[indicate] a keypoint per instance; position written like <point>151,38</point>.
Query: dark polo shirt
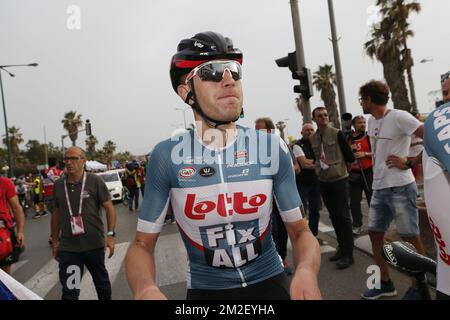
<point>95,194</point>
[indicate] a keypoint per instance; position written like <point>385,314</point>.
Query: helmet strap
<point>213,123</point>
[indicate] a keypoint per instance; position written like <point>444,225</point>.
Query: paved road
<point>39,272</point>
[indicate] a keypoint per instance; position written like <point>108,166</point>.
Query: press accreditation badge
<point>77,225</point>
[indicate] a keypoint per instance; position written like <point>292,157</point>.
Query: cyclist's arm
<point>306,253</point>
<point>140,267</point>
<point>305,248</point>
<point>140,260</point>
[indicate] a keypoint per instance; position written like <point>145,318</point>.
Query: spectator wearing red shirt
<point>10,202</point>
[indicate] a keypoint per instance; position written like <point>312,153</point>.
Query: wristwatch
<point>111,234</point>
<point>409,164</point>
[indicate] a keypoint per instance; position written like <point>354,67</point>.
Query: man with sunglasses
<point>221,193</point>
<point>394,188</point>
<point>333,156</point>
<point>78,235</point>
<point>436,168</point>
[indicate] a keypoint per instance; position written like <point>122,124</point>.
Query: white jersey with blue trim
<point>436,166</point>
<point>222,203</point>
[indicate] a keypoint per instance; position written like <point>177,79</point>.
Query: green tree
<point>124,156</point>
<point>15,140</point>
<point>399,11</point>
<point>109,148</point>
<point>324,80</point>
<point>388,45</point>
<point>35,152</point>
<point>71,122</point>
<point>91,142</point>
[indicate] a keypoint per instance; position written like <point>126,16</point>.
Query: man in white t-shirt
<point>394,188</point>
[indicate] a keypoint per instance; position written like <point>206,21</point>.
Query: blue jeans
<point>310,195</point>
<point>134,194</point>
<point>94,260</point>
<point>396,203</point>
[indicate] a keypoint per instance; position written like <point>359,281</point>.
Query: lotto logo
<point>198,211</point>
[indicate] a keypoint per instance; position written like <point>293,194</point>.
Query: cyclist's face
<point>220,100</point>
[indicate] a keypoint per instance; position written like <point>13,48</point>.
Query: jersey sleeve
<point>437,135</point>
<point>157,191</point>
<point>284,186</point>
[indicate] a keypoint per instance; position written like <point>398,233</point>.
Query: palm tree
<point>15,139</point>
<point>324,80</point>
<point>399,11</point>
<point>109,148</point>
<point>91,142</point>
<point>71,122</point>
<point>388,45</point>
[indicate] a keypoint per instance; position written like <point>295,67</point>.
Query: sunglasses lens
<point>214,71</point>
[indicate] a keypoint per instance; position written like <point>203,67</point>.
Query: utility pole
<point>46,147</point>
<point>300,55</point>
<point>337,60</point>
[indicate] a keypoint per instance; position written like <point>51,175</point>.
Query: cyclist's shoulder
<point>436,121</point>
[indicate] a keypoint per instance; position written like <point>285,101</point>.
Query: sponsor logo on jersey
<point>186,172</point>
<point>207,171</point>
<point>224,205</point>
<point>231,245</point>
<point>440,242</point>
<point>244,173</point>
<point>240,154</point>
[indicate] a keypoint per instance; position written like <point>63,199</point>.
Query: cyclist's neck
<point>216,137</point>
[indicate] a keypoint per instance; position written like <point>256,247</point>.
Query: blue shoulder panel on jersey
<point>437,135</point>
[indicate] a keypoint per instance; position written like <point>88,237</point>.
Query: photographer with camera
<point>133,183</point>
<point>361,174</point>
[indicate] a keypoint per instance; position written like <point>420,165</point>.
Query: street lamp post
<point>8,143</point>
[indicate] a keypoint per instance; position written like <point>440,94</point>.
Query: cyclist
<point>221,196</point>
<point>436,166</point>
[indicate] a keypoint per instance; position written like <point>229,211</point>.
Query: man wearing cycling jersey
<point>221,196</point>
<point>436,166</point>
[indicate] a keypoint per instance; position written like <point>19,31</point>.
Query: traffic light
<point>304,75</point>
<point>88,128</point>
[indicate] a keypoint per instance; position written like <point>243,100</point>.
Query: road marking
<point>325,228</point>
<point>44,280</point>
<point>113,266</point>
<point>326,249</point>
<point>171,260</point>
<point>16,266</point>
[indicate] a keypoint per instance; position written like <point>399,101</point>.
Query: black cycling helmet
<point>203,47</point>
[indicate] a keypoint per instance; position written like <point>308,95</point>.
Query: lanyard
<point>81,196</point>
<point>378,136</point>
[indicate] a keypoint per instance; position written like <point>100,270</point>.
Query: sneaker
<point>287,267</point>
<point>386,290</point>
<point>173,221</point>
<point>36,215</point>
<point>412,294</point>
<point>45,213</point>
<point>357,231</point>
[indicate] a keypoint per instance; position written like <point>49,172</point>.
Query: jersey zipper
<point>222,180</point>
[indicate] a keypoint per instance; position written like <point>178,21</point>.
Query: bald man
<point>78,235</point>
<point>307,182</point>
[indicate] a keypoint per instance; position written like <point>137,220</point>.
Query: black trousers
<point>94,260</point>
<point>275,288</point>
<point>357,186</point>
<point>134,194</point>
<point>335,196</point>
<point>279,233</point>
